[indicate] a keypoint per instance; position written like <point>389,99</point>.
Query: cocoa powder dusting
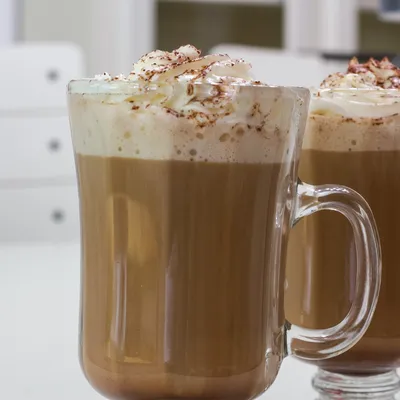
<point>190,89</point>
<point>387,74</point>
<point>171,111</point>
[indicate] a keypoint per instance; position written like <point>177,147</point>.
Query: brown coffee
<point>364,154</point>
<point>177,253</point>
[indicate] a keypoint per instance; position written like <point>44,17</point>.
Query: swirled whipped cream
<point>172,80</point>
<point>373,74</point>
<point>186,64</point>
<point>182,106</point>
<point>365,90</point>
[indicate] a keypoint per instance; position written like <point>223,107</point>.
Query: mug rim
<point>336,91</point>
<point>117,86</point>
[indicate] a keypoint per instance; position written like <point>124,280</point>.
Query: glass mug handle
<point>318,344</point>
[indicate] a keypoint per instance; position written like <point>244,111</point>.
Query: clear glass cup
<point>187,196</point>
<point>362,153</point>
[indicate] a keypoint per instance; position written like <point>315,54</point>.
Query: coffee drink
<point>179,196</point>
<point>184,294</point>
<point>353,138</point>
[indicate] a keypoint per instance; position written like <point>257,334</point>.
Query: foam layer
<point>254,128</point>
<point>343,134</point>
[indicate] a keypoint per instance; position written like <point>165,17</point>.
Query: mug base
<point>332,385</point>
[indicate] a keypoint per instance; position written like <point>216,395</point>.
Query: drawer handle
<point>52,75</point>
<point>58,216</point>
<point>54,145</point>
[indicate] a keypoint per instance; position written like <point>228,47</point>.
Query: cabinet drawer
<point>42,214</point>
<point>34,147</point>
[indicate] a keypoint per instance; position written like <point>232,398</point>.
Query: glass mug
<point>185,217</point>
<point>361,152</point>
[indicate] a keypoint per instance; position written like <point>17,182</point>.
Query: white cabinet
<point>45,213</point>
<point>35,145</point>
<point>38,191</point>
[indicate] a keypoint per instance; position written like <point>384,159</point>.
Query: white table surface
<point>39,300</point>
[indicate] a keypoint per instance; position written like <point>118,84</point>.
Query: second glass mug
<point>185,219</point>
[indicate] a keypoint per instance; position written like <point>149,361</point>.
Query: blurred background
<point>44,44</point>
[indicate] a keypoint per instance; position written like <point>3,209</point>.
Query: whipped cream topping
<point>184,83</point>
<point>356,111</point>
<point>373,74</point>
<point>181,106</point>
<point>368,90</point>
<point>186,64</point>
